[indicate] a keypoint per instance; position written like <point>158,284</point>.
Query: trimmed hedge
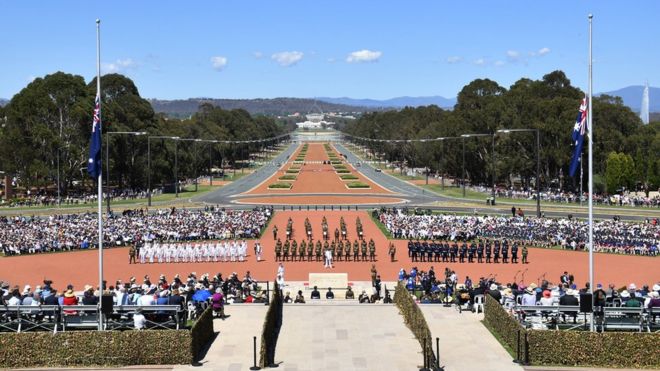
<point>202,332</point>
<point>349,177</point>
<point>292,171</point>
<point>336,162</point>
<point>96,348</point>
<point>339,167</point>
<point>414,319</point>
<point>271,329</point>
<point>279,185</point>
<point>342,171</point>
<point>574,348</point>
<point>287,177</point>
<point>357,185</point>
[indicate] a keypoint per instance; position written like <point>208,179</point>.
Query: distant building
<point>315,121</point>
<point>644,114</point>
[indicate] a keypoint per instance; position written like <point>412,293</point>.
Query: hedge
<point>271,329</point>
<point>96,348</point>
<point>338,167</point>
<point>348,177</point>
<point>202,332</point>
<point>336,162</point>
<point>293,171</point>
<point>279,185</point>
<point>574,348</point>
<point>414,319</point>
<point>357,185</point>
<point>342,171</point>
<point>287,177</point>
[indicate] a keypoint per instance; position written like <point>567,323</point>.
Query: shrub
<point>414,319</point>
<point>293,171</point>
<point>358,185</point>
<point>335,162</point>
<point>339,167</point>
<point>287,177</point>
<point>202,332</point>
<point>349,177</point>
<point>271,329</point>
<point>280,185</point>
<point>342,171</point>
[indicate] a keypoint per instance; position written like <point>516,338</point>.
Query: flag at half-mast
<point>94,164</point>
<point>579,131</point>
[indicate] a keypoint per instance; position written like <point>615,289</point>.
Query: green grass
<point>349,177</point>
<point>287,177</point>
<point>280,185</point>
<point>339,167</point>
<point>342,171</point>
<point>456,192</point>
<point>293,171</point>
<point>381,227</point>
<point>357,185</point>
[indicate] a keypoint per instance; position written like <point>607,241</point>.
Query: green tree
<point>619,172</point>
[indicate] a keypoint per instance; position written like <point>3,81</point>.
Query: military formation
<point>495,251</point>
<point>156,252</point>
<point>339,248</point>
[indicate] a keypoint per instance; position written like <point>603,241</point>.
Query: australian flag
<point>94,164</point>
<point>579,130</point>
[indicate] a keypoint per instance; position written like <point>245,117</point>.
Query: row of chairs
<point>54,318</point>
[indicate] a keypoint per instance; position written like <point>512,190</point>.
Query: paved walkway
<point>232,349</point>
<point>340,336</point>
<point>465,344</point>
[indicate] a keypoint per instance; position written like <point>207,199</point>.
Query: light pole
<point>493,160</point>
<point>149,163</point>
<point>538,163</point>
<point>107,160</point>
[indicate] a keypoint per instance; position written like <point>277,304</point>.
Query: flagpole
<point>100,177</point>
<point>591,173</point>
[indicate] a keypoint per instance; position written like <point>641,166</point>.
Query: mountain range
<point>398,102</point>
<point>632,97</point>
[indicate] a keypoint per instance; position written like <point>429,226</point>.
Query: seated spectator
<point>495,293</point>
<point>287,297</point>
<point>388,298</point>
<point>329,294</point>
<point>139,321</point>
<point>529,297</point>
<point>15,298</point>
<point>546,300</point>
<point>632,301</point>
<point>70,299</point>
<point>300,299</point>
<point>88,296</point>
<point>315,294</point>
<point>569,299</point>
<point>218,303</point>
<point>509,299</point>
<point>176,299</point>
<point>363,298</point>
<point>350,295</point>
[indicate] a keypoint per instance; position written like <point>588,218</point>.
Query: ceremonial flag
<point>94,164</point>
<point>579,131</point>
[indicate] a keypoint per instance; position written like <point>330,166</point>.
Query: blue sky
<point>359,49</point>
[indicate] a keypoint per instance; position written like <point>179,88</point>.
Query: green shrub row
<point>414,319</point>
<point>357,185</point>
<point>348,177</point>
<point>342,171</point>
<point>574,348</point>
<point>279,185</point>
<point>271,329</point>
<point>292,171</point>
<point>336,162</point>
<point>338,167</point>
<point>96,348</point>
<point>287,177</point>
<point>202,332</point>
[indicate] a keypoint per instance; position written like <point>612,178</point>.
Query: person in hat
<point>70,299</point>
<point>495,293</point>
<point>653,301</point>
<point>88,296</point>
<point>569,299</point>
<point>529,297</point>
<point>546,300</point>
<point>632,301</point>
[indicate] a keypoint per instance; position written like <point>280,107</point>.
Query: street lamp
<point>493,160</point>
<point>175,139</point>
<point>107,160</point>
<point>538,163</point>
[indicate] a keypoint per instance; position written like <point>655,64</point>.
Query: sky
<point>340,48</point>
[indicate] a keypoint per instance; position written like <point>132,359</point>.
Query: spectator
<point>315,294</point>
<point>350,295</point>
<point>363,298</point>
<point>546,300</point>
<point>495,293</point>
<point>287,297</point>
<point>329,294</point>
<point>300,298</point>
<point>217,303</point>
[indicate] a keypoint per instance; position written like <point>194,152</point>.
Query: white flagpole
<point>100,178</point>
<point>591,174</point>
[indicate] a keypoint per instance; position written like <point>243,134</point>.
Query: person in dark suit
<point>315,293</point>
<point>329,294</point>
<point>569,299</point>
<point>176,299</point>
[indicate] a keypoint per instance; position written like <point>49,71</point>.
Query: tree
<point>619,172</point>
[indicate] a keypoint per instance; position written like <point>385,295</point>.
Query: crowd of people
<point>44,198</point>
<point>26,235</point>
<point>201,291</point>
<point>219,251</point>
<point>614,236</point>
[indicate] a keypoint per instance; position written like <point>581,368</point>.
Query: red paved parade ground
<point>314,177</point>
<point>80,268</point>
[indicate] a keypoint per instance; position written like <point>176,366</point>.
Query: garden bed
<point>357,185</point>
<point>349,177</point>
<point>288,177</point>
<point>280,185</point>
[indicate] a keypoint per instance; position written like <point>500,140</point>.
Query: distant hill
<point>272,107</point>
<point>632,97</point>
<point>3,102</point>
<point>398,102</point>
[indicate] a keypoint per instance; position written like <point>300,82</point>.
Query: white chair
<point>479,303</point>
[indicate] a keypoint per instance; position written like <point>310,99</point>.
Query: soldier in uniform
<point>363,250</point>
<point>392,251</point>
<point>318,250</point>
<point>287,246</point>
<point>453,252</point>
<point>514,252</point>
<point>333,248</point>
<point>275,232</point>
<point>294,250</point>
<point>356,251</point>
<point>437,250</point>
<point>489,251</point>
<point>372,250</point>
<point>524,254</point>
<point>472,252</point>
<point>480,252</point>
<point>496,252</point>
<point>347,251</point>
<point>445,252</point>
<point>340,249</point>
<point>131,254</point>
<point>505,251</point>
<point>336,234</point>
<point>303,248</point>
<point>310,250</point>
<point>278,250</point>
<point>411,247</point>
<point>463,252</point>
